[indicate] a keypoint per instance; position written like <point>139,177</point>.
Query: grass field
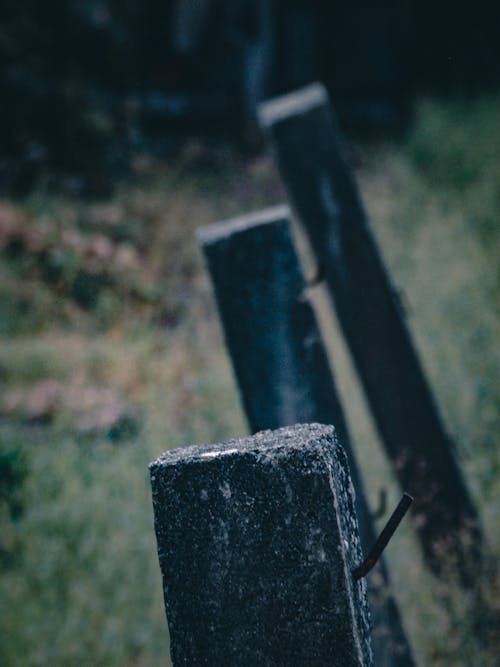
<point>111,352</point>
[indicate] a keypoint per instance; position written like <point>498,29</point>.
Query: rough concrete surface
<point>257,538</point>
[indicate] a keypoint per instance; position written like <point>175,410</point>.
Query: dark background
<point>84,84</point>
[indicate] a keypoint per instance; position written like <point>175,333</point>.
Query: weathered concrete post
<point>257,540</point>
<point>322,187</point>
<point>270,327</point>
<point>282,368</point>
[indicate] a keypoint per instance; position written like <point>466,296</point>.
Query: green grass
<point>108,302</point>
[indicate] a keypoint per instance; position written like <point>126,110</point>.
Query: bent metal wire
<point>384,537</point>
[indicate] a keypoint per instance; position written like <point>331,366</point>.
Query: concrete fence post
<point>257,540</point>
<point>308,148</point>
<point>282,369</point>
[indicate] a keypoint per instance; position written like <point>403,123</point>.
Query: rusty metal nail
<point>381,543</point>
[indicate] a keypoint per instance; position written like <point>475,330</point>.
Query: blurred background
<point>86,84</point>
<point>124,126</point>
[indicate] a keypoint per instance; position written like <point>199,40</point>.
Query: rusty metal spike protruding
<point>388,531</point>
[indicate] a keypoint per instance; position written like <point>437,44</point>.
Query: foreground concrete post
<point>323,189</point>
<point>257,538</point>
<point>282,368</point>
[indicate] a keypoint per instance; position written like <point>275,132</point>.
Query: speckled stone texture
<point>257,538</point>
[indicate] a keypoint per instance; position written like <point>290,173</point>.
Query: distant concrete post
<point>308,148</point>
<point>257,540</point>
<point>282,369</point>
<point>270,327</point>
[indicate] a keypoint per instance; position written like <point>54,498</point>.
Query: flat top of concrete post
<point>257,538</point>
<point>219,230</point>
<point>264,442</point>
<point>295,103</point>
